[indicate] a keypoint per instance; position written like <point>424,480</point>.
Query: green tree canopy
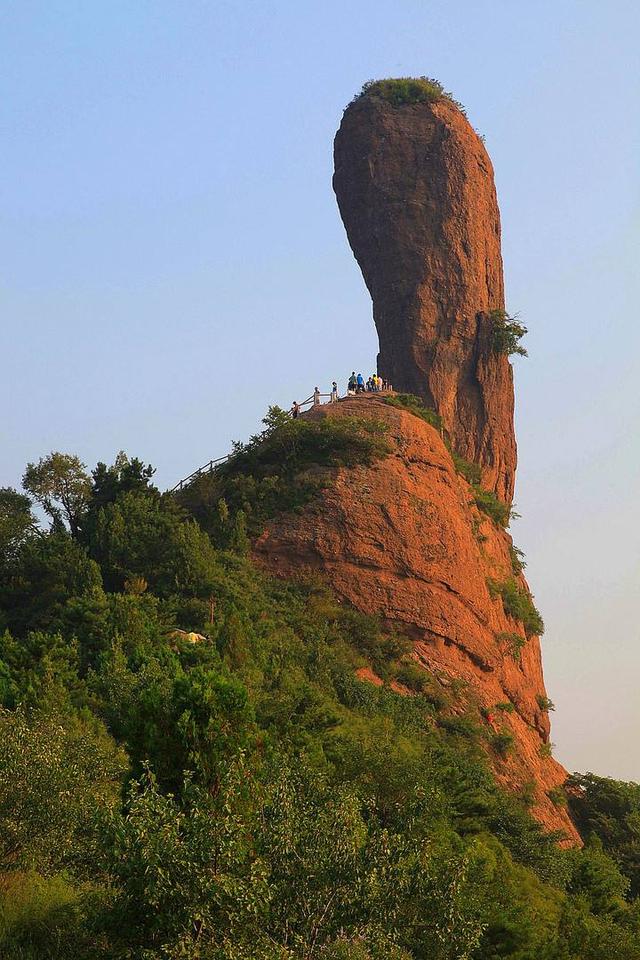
<point>61,485</point>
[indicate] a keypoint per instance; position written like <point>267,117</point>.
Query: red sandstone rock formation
<point>404,539</point>
<point>415,189</point>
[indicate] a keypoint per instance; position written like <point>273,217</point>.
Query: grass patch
<point>557,796</point>
<point>506,706</point>
<point>414,405</point>
<point>518,604</point>
<point>414,677</point>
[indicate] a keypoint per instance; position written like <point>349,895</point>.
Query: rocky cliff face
<point>403,539</point>
<point>416,193</point>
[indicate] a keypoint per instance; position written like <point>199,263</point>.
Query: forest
<point>190,766</point>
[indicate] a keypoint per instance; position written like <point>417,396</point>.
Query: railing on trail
<point>207,468</point>
<point>214,464</point>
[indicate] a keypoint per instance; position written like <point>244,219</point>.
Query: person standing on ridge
<point>353,383</point>
<point>360,383</point>
<point>334,392</point>
<point>295,410</point>
<point>316,396</point>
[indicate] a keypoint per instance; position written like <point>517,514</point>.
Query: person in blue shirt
<point>360,382</point>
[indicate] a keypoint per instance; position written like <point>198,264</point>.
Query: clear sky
<point>173,261</point>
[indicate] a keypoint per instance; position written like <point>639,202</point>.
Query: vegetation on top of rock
<point>404,90</point>
<point>273,472</point>
<point>506,333</point>
<point>404,185</point>
<point>294,444</point>
<point>518,603</point>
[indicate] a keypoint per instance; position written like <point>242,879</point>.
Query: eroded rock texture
<point>403,539</point>
<point>416,193</point>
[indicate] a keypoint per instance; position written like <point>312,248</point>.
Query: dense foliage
<point>191,768</point>
<point>609,810</point>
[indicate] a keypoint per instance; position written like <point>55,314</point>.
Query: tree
<point>61,485</point>
<point>125,475</point>
<point>187,871</point>
<point>609,809</point>
<point>17,522</point>
<point>145,536</point>
<point>48,572</point>
<point>53,778</point>
<point>507,333</point>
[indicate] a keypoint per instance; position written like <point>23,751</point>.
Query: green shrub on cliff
<point>518,603</point>
<point>489,503</point>
<point>544,703</point>
<point>507,333</point>
<point>518,561</point>
<point>514,641</point>
<point>502,743</point>
<point>405,90</point>
<point>470,471</point>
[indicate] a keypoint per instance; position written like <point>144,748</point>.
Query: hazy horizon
<point>174,262</point>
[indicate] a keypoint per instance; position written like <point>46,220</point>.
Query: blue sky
<point>173,261</point>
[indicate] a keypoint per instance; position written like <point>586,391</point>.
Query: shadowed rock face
<point>416,194</point>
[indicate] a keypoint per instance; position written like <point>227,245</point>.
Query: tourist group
<point>356,384</point>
